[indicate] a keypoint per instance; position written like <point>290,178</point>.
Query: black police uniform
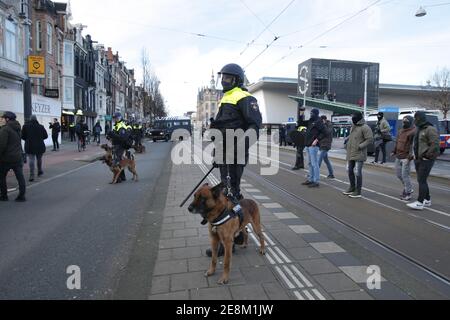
<point>238,109</point>
<point>119,136</point>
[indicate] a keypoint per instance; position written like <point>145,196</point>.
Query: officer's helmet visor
<point>226,80</point>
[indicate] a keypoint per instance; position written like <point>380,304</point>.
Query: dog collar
<point>227,215</point>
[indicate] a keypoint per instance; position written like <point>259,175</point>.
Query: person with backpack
<point>121,140</point>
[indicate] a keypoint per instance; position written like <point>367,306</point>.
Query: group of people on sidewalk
<point>416,141</point>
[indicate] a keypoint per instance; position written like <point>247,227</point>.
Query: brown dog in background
<point>123,164</point>
<point>210,203</point>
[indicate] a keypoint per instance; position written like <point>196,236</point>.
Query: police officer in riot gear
<point>300,137</point>
<point>238,109</point>
<point>119,136</point>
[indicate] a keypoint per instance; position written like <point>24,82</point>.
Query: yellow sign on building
<point>36,67</point>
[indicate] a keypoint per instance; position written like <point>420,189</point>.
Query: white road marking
<point>303,229</point>
<point>252,190</point>
<point>267,238</point>
<point>272,205</point>
<point>293,277</point>
<point>275,255</point>
<point>304,279</point>
<point>283,276</point>
<point>261,197</point>
<point>267,255</point>
<point>298,295</point>
<point>318,294</point>
<point>282,255</point>
<point>308,295</point>
<point>285,215</point>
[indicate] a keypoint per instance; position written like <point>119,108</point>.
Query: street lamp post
<point>27,110</point>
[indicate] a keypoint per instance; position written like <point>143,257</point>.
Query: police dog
<point>210,203</point>
<point>123,164</point>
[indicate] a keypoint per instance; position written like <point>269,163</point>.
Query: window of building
<point>38,36</point>
<point>49,37</point>
<point>39,87</point>
<point>68,56</point>
<point>68,90</point>
<point>49,77</point>
<point>11,41</point>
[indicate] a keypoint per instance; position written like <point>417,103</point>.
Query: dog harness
<point>229,214</point>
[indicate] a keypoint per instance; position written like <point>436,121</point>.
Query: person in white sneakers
<point>426,150</point>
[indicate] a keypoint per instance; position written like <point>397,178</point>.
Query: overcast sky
<point>409,49</point>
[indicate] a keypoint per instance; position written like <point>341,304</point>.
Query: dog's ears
<point>217,190</point>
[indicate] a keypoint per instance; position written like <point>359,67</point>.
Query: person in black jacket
<point>56,129</point>
<point>314,133</point>
<point>34,135</point>
<point>325,146</point>
<point>11,155</point>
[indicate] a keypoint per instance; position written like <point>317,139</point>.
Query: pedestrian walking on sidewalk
<point>404,154</point>
<point>426,151</point>
<point>97,131</point>
<point>34,135</point>
<point>359,139</point>
<point>314,133</point>
<point>56,129</point>
<point>325,146</point>
<point>382,137</point>
<point>11,155</point>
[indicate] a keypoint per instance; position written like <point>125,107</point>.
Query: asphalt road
<point>424,236</point>
<point>78,218</point>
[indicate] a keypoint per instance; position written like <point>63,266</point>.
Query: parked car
<point>444,132</point>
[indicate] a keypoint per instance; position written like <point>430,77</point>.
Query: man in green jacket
<point>426,150</point>
<point>11,155</point>
<point>358,140</point>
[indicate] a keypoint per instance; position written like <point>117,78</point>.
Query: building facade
<point>339,80</point>
<point>208,99</point>
<point>12,56</point>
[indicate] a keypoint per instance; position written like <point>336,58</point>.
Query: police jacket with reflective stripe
<point>238,109</point>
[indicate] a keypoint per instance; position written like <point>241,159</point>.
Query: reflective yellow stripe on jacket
<point>301,128</point>
<point>233,96</point>
<point>120,125</point>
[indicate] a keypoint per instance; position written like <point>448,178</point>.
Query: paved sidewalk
<point>300,263</point>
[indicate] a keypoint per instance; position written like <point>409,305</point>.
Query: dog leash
<point>190,194</point>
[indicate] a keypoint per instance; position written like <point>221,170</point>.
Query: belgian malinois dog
<point>212,204</point>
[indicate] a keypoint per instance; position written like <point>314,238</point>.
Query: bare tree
<point>153,100</point>
<point>441,98</point>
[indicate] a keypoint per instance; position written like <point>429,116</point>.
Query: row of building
<point>82,78</point>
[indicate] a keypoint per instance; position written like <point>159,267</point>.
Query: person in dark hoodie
<point>314,133</point>
<point>404,154</point>
<point>34,135</point>
<point>56,129</point>
<point>11,155</point>
<point>426,150</point>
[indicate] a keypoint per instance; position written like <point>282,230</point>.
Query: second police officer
<point>119,136</point>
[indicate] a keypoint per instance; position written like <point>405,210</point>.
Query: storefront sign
<point>42,106</point>
<point>36,67</point>
<point>51,93</point>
